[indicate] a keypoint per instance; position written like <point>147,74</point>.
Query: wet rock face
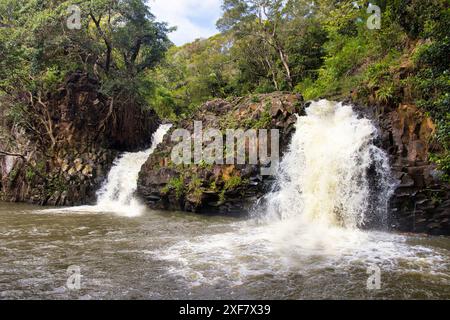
<point>421,202</point>
<point>218,189</point>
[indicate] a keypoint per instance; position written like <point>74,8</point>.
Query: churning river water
<point>168,255</point>
<point>304,241</point>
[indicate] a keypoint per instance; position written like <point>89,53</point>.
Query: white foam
<point>324,176</point>
<point>118,193</point>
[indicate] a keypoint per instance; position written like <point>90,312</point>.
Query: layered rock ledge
<point>224,189</point>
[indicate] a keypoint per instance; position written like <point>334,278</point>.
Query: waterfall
<point>333,174</point>
<point>118,193</point>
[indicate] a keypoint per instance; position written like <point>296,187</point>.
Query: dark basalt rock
<point>421,200</point>
<point>90,130</point>
<point>218,189</point>
<point>86,116</point>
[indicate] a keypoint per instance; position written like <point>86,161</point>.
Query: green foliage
<point>195,188</point>
<point>29,175</point>
<point>164,103</point>
<point>213,186</point>
<point>176,184</point>
<point>204,165</point>
<point>56,184</point>
<point>264,121</point>
<point>255,99</point>
<point>191,75</point>
<point>228,122</point>
<point>340,72</point>
<point>251,55</point>
<point>51,78</point>
<point>417,16</point>
<point>232,183</point>
<point>442,159</point>
<point>13,175</point>
<point>431,80</point>
<point>39,169</point>
<point>119,41</point>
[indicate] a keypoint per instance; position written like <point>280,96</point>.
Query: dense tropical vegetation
<point>43,42</point>
<point>320,48</point>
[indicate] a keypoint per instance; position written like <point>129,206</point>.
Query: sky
<point>194,18</point>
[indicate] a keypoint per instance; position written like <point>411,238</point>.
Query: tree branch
<point>5,153</point>
<point>105,40</point>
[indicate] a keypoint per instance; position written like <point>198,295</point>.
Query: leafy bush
<point>176,184</point>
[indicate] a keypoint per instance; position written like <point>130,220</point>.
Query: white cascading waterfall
<point>332,174</point>
<point>118,193</point>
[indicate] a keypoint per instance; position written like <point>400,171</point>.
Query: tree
<point>276,29</point>
<point>118,42</point>
<point>192,74</point>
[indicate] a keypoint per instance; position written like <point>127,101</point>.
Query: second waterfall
<point>333,174</point>
<point>117,194</point>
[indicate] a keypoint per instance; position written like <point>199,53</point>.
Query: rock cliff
<point>421,202</point>
<point>64,152</point>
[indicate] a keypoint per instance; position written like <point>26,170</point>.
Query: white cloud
<point>194,18</point>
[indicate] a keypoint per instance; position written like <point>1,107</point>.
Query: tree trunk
<point>287,68</point>
<point>274,76</point>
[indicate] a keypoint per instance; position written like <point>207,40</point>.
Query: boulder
<point>218,188</point>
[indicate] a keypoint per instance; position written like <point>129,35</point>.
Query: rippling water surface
<point>179,256</point>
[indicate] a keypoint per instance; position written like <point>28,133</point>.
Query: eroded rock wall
<point>421,202</point>
<point>68,166</point>
<point>224,189</point>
